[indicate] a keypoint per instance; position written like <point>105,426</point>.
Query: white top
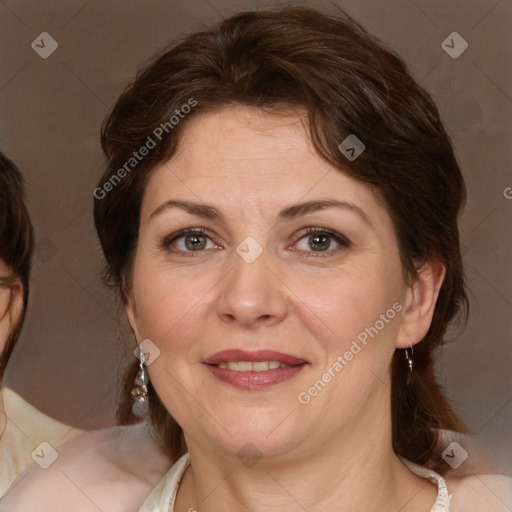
<point>164,495</point>
<point>27,427</point>
<point>442,503</point>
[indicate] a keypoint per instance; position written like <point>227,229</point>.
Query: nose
<point>252,294</point>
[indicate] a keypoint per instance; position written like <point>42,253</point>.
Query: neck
<point>358,472</point>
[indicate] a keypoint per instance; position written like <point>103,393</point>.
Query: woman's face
<point>11,307</point>
<point>255,279</point>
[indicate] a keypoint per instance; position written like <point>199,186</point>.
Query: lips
<point>233,367</point>
<point>226,356</point>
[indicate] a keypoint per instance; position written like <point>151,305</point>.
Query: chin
<point>254,437</point>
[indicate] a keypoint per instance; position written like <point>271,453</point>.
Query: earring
<point>139,392</point>
<point>409,358</point>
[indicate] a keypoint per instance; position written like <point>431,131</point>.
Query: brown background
<point>69,358</point>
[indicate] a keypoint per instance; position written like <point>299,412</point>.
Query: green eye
<point>319,242</point>
<point>188,240</point>
<point>195,242</point>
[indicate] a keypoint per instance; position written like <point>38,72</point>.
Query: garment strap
<point>442,503</point>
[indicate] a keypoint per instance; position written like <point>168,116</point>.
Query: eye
<point>189,240</point>
<point>321,240</point>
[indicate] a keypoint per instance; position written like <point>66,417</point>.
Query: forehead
<point>235,141</point>
<point>260,157</point>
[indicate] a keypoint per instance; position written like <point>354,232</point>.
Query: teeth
<point>248,366</point>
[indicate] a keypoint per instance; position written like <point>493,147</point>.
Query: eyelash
<point>175,236</point>
<point>340,239</point>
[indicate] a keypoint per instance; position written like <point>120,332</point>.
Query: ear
<point>11,310</point>
<point>131,313</point>
<point>420,300</point>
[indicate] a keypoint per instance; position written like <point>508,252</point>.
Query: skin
<point>333,453</point>
<point>11,308</point>
<point>110,469</point>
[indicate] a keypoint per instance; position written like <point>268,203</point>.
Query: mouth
<point>248,366</point>
<point>253,370</point>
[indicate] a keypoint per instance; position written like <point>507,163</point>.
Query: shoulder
<point>477,492</point>
<point>34,425</point>
<point>109,469</point>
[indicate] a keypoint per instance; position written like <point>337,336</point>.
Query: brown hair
<point>16,242</point>
<point>348,83</point>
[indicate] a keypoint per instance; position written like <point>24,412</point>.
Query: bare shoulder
<point>109,469</point>
<point>478,492</point>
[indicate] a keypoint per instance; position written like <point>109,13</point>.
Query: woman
<point>22,427</point>
<point>279,216</point>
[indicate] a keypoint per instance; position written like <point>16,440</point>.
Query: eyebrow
<point>300,209</point>
<point>291,212</point>
<point>201,210</point>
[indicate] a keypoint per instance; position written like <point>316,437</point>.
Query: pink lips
<point>253,380</point>
<point>259,355</point>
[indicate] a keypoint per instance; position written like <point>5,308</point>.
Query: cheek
<point>342,304</point>
<point>169,305</point>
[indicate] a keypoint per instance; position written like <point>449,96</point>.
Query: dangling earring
<point>139,392</point>
<point>410,362</point>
